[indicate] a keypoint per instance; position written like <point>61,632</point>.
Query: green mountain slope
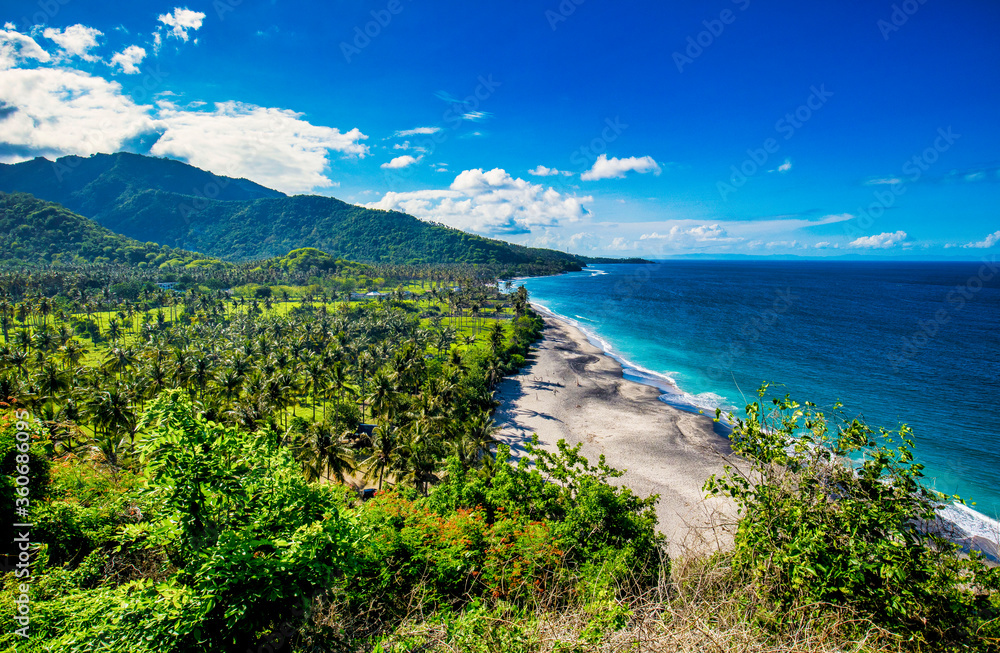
<point>175,204</point>
<point>36,232</point>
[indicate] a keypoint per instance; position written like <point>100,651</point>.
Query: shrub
<point>839,516</point>
<point>589,519</point>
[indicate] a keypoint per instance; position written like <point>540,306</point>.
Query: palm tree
<point>415,460</point>
<point>497,337</point>
<point>382,395</point>
<point>479,437</point>
<point>112,416</point>
<point>230,380</point>
<point>119,360</point>
<point>51,381</point>
<point>114,330</point>
<point>6,313</point>
<point>315,382</point>
<point>201,373</point>
<point>72,352</point>
<point>324,454</point>
<point>384,442</point>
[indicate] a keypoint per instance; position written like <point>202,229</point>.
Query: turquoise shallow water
<point>895,342</point>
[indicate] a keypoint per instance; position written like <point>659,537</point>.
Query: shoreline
<point>573,390</point>
<point>671,392</point>
<point>665,447</point>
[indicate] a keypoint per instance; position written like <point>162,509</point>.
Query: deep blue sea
<point>895,342</point>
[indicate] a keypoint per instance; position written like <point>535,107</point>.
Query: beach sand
<point>571,390</point>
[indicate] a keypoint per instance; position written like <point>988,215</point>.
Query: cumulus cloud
<point>885,240</point>
<point>75,40</point>
<point>274,147</point>
<point>181,21</point>
<point>489,202</point>
<point>542,171</point>
<point>786,166</point>
<point>417,131</point>
<point>129,59</point>
<point>59,112</point>
<point>615,168</point>
<point>400,162</point>
<point>16,47</point>
<point>990,240</point>
<point>54,112</point>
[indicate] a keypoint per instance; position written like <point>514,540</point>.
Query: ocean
<point>895,342</point>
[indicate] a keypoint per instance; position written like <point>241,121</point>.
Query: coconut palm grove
<point>298,453</point>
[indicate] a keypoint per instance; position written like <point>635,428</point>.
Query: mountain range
<point>171,203</point>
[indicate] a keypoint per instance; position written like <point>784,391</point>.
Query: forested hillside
<point>172,203</point>
<point>35,232</point>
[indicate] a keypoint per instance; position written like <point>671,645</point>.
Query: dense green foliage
<point>35,232</point>
<point>226,546</point>
<point>171,203</point>
<point>196,455</point>
<point>818,529</point>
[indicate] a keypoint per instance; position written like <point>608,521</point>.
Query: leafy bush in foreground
<point>817,529</point>
<point>226,546</point>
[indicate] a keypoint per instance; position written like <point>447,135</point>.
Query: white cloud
<point>990,240</point>
<point>489,202</point>
<point>699,234</point>
<point>417,130</point>
<point>784,244</point>
<point>879,241</point>
<point>542,171</point>
<point>786,166</point>
<point>16,47</point>
<point>405,145</point>
<point>619,244</point>
<point>615,168</point>
<point>181,21</point>
<point>129,59</point>
<point>55,112</point>
<point>59,112</point>
<point>678,236</point>
<point>400,162</point>
<point>476,116</point>
<point>883,181</point>
<point>274,147</point>
<point>823,244</point>
<point>75,40</point>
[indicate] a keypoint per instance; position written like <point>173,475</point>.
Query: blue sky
<point>860,128</point>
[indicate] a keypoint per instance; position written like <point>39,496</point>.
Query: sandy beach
<point>571,390</point>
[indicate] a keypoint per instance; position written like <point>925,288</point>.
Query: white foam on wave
<point>969,528</point>
<point>974,529</point>
<point>673,394</point>
<point>594,272</point>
